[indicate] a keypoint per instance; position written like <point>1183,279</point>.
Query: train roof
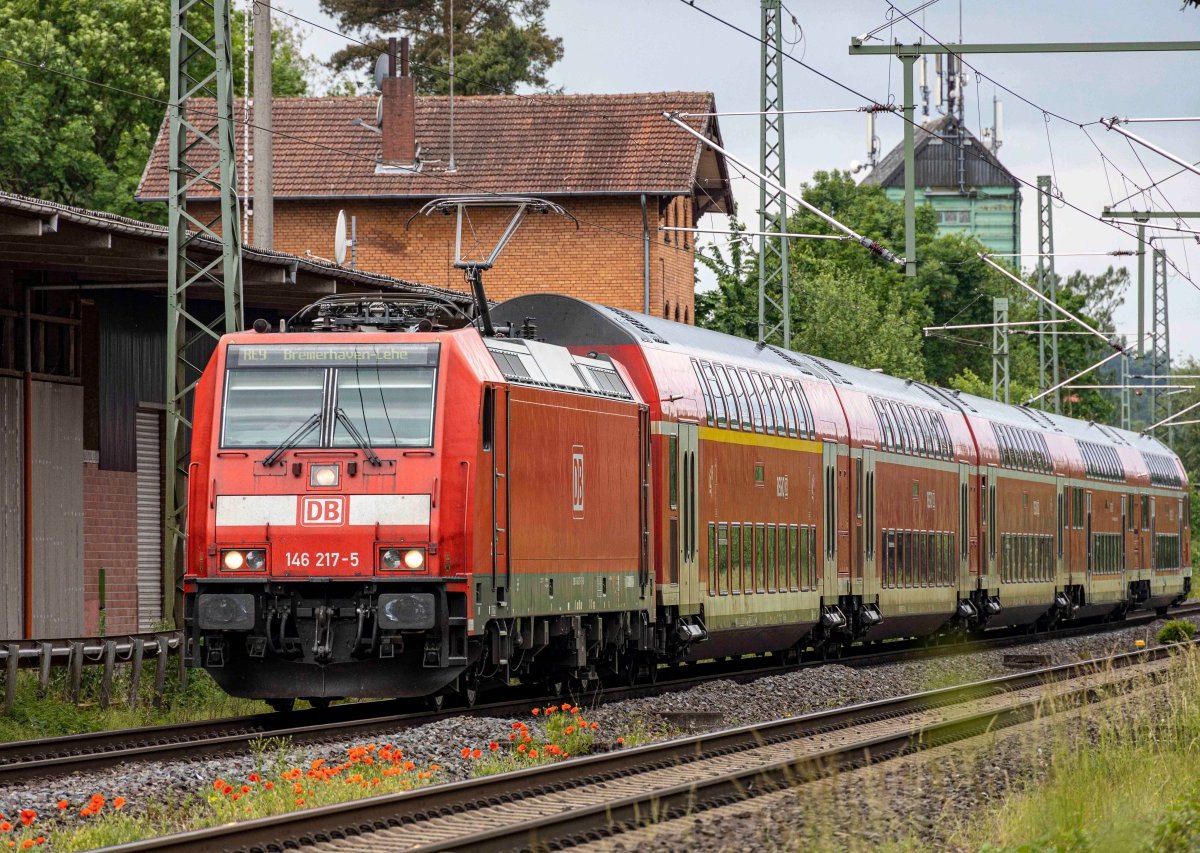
<point>567,320</point>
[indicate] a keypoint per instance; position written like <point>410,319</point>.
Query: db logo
<point>323,510</point>
<point>577,481</point>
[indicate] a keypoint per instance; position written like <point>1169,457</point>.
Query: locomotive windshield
<point>385,391</point>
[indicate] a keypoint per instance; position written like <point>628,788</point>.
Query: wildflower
<point>28,816</point>
<point>569,730</point>
<point>86,811</point>
<point>425,774</point>
<point>27,843</point>
<point>119,803</point>
<point>433,767</point>
<point>477,753</point>
<point>228,789</point>
<point>551,709</point>
<point>254,777</point>
<point>5,826</point>
<point>620,741</point>
<point>512,736</point>
<point>297,788</point>
<point>595,725</point>
<point>62,805</point>
<point>521,748</point>
<point>409,766</point>
<point>236,797</point>
<point>536,711</point>
<point>493,746</point>
<point>299,801</point>
<point>316,765</point>
<point>270,786</point>
<point>533,753</point>
<point>41,839</point>
<point>219,785</point>
<point>245,789</point>
<point>466,752</point>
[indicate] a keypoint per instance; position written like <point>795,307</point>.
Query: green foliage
<point>498,44</point>
<point>851,306</point>
<point>82,144</point>
<point>1176,631</point>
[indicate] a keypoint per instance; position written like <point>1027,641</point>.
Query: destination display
<point>332,355</point>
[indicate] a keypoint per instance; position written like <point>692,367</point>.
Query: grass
<point>1134,785</point>
<point>35,717</point>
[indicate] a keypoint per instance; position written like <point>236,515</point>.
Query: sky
<point>663,45</point>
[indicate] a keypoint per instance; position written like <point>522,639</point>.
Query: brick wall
<point>110,543</point>
<point>601,261</point>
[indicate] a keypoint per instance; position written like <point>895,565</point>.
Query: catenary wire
<point>845,86</point>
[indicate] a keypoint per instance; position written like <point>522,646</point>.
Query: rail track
<point>40,759</point>
<point>557,805</point>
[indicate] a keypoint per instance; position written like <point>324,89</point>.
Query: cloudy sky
<point>651,45</point>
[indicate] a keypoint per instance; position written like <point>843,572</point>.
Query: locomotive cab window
<point>307,394</point>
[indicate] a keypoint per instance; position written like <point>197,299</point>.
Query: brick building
<point>612,161</point>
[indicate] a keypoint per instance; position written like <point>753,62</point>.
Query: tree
<point>74,142</point>
<point>498,44</point>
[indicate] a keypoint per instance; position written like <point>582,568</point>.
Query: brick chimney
<point>399,109</point>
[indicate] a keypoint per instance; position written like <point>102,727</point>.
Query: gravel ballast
<point>767,698</point>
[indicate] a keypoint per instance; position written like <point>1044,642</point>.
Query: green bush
<point>1176,631</point>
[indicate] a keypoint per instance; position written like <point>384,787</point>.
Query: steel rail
<point>410,809</point>
<point>40,759</point>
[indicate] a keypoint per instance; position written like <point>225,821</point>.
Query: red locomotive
<point>387,506</point>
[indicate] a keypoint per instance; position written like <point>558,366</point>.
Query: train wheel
<point>281,706</point>
<point>435,703</point>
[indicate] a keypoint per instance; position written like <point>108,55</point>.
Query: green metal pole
<point>910,176</point>
<point>1141,292</point>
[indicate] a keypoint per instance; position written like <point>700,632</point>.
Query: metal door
<point>829,589</point>
<point>1062,542</point>
<point>1088,531</point>
<point>501,559</point>
<point>689,525</point>
<point>1153,531</point>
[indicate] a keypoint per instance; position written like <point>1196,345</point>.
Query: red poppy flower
<point>119,803</point>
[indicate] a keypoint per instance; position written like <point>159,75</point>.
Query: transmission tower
<point>1000,387</point>
<point>1048,287</point>
<point>201,157</point>
<point>772,204</point>
<point>1160,355</point>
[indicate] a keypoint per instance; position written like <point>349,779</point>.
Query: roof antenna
<point>474,269</point>
<point>452,166</point>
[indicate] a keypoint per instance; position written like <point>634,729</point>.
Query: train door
<point>1153,560</point>
<point>964,527</point>
<point>1087,522</point>
<point>869,535</point>
<point>1126,562</point>
<point>829,456</point>
<point>501,558</point>
<point>689,526</point>
<point>987,511</point>
<point>1062,528</point>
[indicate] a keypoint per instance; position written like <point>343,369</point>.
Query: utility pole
<point>201,154</point>
<point>1048,287</point>
<point>264,183</point>
<point>772,204</point>
<point>1000,388</point>
<point>1160,354</point>
<point>910,169</point>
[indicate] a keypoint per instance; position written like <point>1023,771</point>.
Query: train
<point>386,501</point>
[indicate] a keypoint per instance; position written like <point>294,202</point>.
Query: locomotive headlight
<point>256,559</point>
<point>390,559</point>
<point>414,558</point>
<point>324,476</point>
<point>237,559</point>
<point>234,560</point>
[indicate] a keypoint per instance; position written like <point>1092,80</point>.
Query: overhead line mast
<point>772,202</point>
<point>201,155</point>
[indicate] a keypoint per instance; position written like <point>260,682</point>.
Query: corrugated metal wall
<point>132,370</point>
<point>11,519</point>
<point>58,509</point>
<point>149,517</point>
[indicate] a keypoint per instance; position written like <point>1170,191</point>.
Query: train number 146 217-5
<point>321,559</point>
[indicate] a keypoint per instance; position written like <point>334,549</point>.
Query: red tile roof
<point>533,145</point>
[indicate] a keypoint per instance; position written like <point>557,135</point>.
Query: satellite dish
<point>379,112</point>
<point>381,70</point>
<point>340,242</point>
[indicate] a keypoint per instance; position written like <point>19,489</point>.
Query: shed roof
<point>547,145</point>
<point>936,155</point>
<point>44,235</point>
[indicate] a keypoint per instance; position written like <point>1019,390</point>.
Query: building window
<point>954,217</point>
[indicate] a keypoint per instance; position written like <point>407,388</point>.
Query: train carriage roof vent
<point>1111,433</point>
<point>825,366</point>
<point>939,396</point>
<point>1038,418</point>
<point>791,359</point>
<point>650,334</point>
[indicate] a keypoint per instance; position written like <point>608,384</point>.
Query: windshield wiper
<point>293,439</point>
<point>345,421</point>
